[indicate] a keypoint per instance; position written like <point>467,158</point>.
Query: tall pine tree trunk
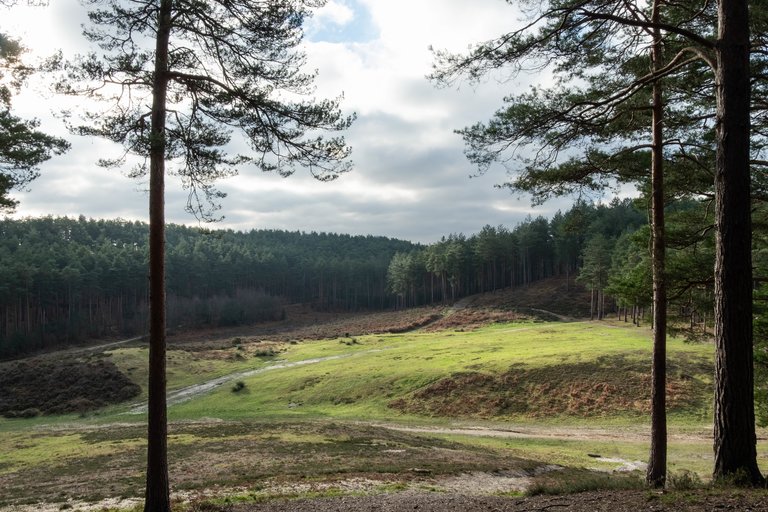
<point>735,439</point>
<point>157,498</point>
<point>656,474</point>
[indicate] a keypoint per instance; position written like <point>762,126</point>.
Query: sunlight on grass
<point>24,449</point>
<point>380,369</point>
<point>333,406</point>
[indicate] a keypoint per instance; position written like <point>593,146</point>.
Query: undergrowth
<point>571,481</point>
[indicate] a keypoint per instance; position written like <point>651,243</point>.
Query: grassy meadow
<point>387,411</point>
<point>375,378</point>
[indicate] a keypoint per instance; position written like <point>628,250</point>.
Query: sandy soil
<point>623,501</point>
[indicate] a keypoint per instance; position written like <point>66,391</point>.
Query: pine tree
<point>177,78</point>
<point>22,146</point>
<point>597,105</point>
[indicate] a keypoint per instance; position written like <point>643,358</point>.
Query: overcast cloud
<point>411,179</point>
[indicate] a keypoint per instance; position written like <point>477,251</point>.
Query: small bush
<point>26,413</point>
<point>684,480</point>
<point>576,481</point>
<point>239,386</point>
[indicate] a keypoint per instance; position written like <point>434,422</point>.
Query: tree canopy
<point>22,146</point>
<point>583,134</point>
<point>230,66</point>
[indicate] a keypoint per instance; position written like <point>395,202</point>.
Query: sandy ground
<point>623,501</point>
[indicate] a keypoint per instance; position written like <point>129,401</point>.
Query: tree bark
<point>656,474</point>
<point>735,439</point>
<point>157,498</point>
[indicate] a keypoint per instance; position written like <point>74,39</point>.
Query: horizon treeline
<point>604,247</point>
<point>65,280</point>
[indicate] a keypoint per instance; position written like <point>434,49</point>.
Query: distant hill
<point>561,295</point>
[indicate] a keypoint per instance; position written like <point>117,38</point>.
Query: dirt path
<point>100,348</point>
<point>562,318</point>
<point>188,393</point>
<point>572,433</point>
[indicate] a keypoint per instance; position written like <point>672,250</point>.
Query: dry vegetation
<point>304,323</point>
<point>559,295</point>
<point>617,384</point>
<point>50,386</point>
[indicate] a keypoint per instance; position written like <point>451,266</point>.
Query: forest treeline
<point>606,248</point>
<point>64,280</point>
<point>498,257</point>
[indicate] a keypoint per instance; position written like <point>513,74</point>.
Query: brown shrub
<point>59,387</point>
<point>613,385</point>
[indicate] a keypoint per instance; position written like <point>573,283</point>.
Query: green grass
<point>691,455</point>
<point>377,370</point>
<point>381,369</point>
<point>183,368</point>
<point>312,421</point>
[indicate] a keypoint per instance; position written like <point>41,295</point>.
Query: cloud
<point>335,13</point>
<point>411,178</point>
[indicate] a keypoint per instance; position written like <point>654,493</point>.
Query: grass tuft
<point>684,480</point>
<point>571,481</point>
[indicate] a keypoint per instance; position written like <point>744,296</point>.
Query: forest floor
<point>592,501</point>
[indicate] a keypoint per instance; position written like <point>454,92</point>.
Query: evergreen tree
<point>596,105</point>
<point>630,279</point>
<point>209,67</point>
<point>22,146</point>
<point>595,271</point>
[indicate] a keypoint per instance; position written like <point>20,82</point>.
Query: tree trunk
<point>602,304</point>
<point>735,439</point>
<point>656,473</point>
<point>157,498</point>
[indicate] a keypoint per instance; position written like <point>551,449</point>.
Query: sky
<point>410,180</point>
